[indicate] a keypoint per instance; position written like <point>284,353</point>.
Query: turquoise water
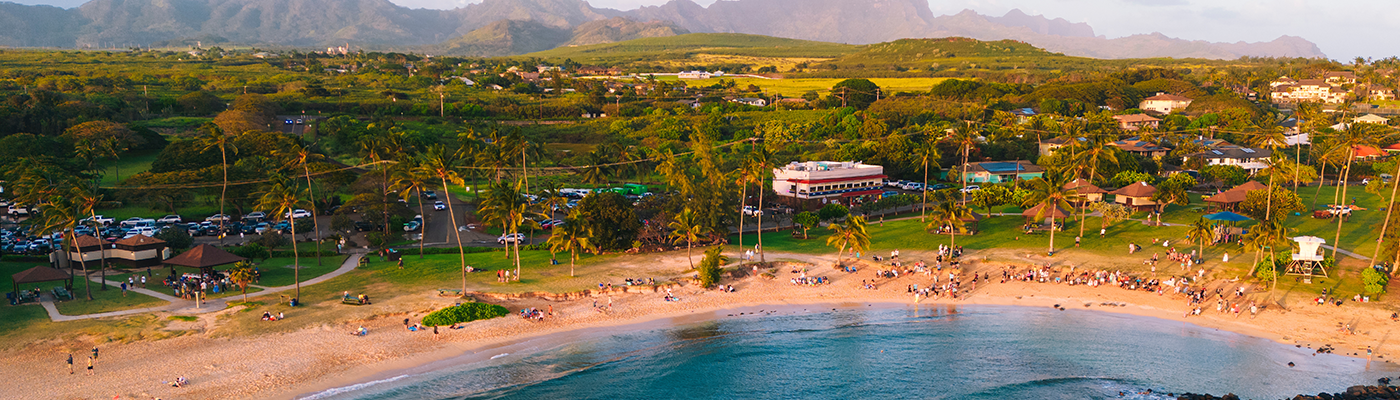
<point>972,352</point>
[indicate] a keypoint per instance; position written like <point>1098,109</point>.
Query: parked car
<point>17,210</point>
<point>430,195</point>
<point>98,219</point>
<point>970,189</point>
<point>751,211</point>
<point>297,214</point>
<point>439,206</point>
<point>218,218</point>
<point>134,221</point>
<point>939,186</point>
<point>362,226</point>
<point>412,226</point>
<point>511,238</point>
<point>255,216</point>
<point>170,219</point>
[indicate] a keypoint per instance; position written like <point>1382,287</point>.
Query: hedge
<point>466,312</point>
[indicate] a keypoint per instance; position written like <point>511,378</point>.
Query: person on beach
<point>123,289</point>
<point>90,358</point>
<point>70,363</point>
<point>94,353</point>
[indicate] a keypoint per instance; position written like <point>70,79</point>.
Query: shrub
<point>709,269</point>
<point>467,312</point>
<point>252,251</point>
<point>1374,280</point>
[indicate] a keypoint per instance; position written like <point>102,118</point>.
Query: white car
<point>511,238</point>
<point>751,211</point>
<point>297,214</point>
<point>99,219</point>
<point>218,218</point>
<point>912,186</point>
<point>970,189</point>
<point>170,219</point>
<point>18,210</point>
<point>439,206</point>
<point>255,216</point>
<point>137,221</point>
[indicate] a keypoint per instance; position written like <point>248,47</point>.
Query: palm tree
<point>572,236</point>
<point>949,212</point>
<point>1266,235</point>
<point>1201,232</point>
<point>1391,206</point>
<point>851,234</point>
<point>408,183</point>
<point>1052,195</point>
<point>85,200</point>
<point>760,162</point>
<point>242,275</point>
<point>302,157</point>
<point>437,162</point>
<point>1097,147</point>
<point>596,172</point>
<point>504,204</point>
<point>926,152</point>
<point>1347,141</point>
<point>59,214</point>
<point>687,227</point>
<point>215,138</point>
<point>1272,139</point>
<point>282,201</point>
<point>965,137</point>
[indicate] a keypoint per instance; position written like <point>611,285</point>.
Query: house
<point>1370,119</point>
<point>1134,122</point>
<point>1250,159</point>
<point>1023,115</point>
<point>465,81</point>
<point>264,54</point>
<point>528,76</point>
<point>1282,81</point>
<point>692,103</point>
<point>793,102</point>
<point>547,68</point>
<point>753,101</point>
<point>1340,77</point>
<point>139,251</point>
<point>1085,191</point>
<point>1164,103</point>
<point>1142,148</point>
<point>1308,91</point>
<point>1227,200</point>
<point>1245,92</point>
<point>828,180</point>
<point>700,74</point>
<point>1366,152</point>
<point>1380,93</point>
<point>1001,171</point>
<point>1137,196</point>
<point>1048,146</point>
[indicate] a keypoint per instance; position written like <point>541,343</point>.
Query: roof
<point>1372,118</point>
<point>1005,167</point>
<point>40,274</point>
<point>1081,186</point>
<point>1138,146</point>
<point>1140,189</point>
<point>1056,213</point>
<point>139,240</point>
<point>204,256</point>
<point>1130,118</point>
<point>1167,97</point>
<point>1284,79</point>
<point>1240,153</point>
<point>1366,151</point>
<point>87,241</point>
<point>1343,74</point>
<point>1236,194</point>
<point>1393,147</point>
<point>1313,82</point>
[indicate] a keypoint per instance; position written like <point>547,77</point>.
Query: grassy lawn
<point>105,301</point>
<point>128,165</point>
<point>277,272</point>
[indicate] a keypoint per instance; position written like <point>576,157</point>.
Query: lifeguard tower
<point>1308,261</point>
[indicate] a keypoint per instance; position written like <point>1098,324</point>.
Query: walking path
<point>182,306</point>
<point>1348,253</point>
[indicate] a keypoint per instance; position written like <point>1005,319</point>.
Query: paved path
<point>182,306</point>
<point>1347,253</point>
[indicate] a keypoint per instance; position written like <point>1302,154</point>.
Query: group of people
<point>362,299</point>
<point>267,316</point>
<point>187,285</point>
<point>534,314</point>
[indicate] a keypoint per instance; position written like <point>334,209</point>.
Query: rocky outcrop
<point>1379,392</point>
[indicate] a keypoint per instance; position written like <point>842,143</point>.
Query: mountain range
<point>507,27</point>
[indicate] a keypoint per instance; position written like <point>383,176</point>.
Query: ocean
<point>883,352</point>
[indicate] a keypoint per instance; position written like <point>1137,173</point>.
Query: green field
<point>797,87</point>
<point>685,46</point>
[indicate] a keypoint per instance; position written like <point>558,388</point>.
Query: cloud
<point>1156,2</point>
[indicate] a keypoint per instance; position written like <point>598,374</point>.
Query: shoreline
<point>314,358</point>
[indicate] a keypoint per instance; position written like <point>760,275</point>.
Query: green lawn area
<point>277,272</point>
<point>127,165</point>
<point>105,301</point>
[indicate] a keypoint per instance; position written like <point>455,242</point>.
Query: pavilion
<point>40,274</point>
<point>1228,199</point>
<point>1137,196</point>
<point>1056,213</point>
<point>1085,192</point>
<point>204,258</point>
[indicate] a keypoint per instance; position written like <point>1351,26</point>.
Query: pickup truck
<point>99,219</point>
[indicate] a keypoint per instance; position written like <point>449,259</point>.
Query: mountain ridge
<point>375,24</point>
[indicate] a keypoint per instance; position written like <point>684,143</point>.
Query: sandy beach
<point>289,365</point>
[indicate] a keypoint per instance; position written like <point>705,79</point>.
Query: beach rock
<point>1352,393</point>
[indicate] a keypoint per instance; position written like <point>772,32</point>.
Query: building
<point>1250,159</point>
<point>264,54</point>
<point>1308,91</point>
<point>1137,196</point>
<point>1048,146</point>
<point>1370,119</point>
<point>1366,152</point>
<point>1000,171</point>
<point>1164,103</point>
<point>1134,122</point>
<point>1142,148</point>
<point>828,180</point>
<point>139,251</point>
<point>1282,81</point>
<point>753,101</point>
<point>1340,77</point>
<point>700,74</point>
<point>1380,93</point>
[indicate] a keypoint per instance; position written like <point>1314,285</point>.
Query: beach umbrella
<point>1227,217</point>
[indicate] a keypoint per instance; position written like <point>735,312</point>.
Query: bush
<point>709,269</point>
<point>252,251</point>
<point>467,312</point>
<point>832,212</point>
<point>1374,280</point>
<point>176,238</point>
<point>270,239</point>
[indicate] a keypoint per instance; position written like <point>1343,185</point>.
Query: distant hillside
<point>379,24</point>
<point>504,37</point>
<point>924,52</point>
<point>707,43</point>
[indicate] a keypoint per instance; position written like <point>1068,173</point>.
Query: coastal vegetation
<point>465,312</point>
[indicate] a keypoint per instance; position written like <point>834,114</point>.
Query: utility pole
<point>442,103</point>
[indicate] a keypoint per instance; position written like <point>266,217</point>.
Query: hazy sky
<point>1343,29</point>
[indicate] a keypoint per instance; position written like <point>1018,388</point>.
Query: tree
<point>1374,281</point>
<point>1266,235</point>
<point>1111,213</point>
<point>948,212</point>
<point>176,238</point>
<point>1201,232</point>
<point>504,205</point>
<point>215,138</point>
<point>1125,178</point>
<point>991,196</point>
<point>573,237</point>
<point>760,162</point>
<point>926,153</point>
<point>711,266</point>
<point>1225,175</point>
<point>1050,193</point>
<point>242,275</point>
<point>282,200</point>
<point>1353,137</point>
<point>858,93</point>
<point>833,211</point>
<point>851,234</point>
<point>966,137</point>
<point>807,220</point>
<point>442,165</point>
<point>611,219</point>
<point>301,158</point>
<point>410,185</point>
<point>1258,204</point>
<point>686,228</point>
